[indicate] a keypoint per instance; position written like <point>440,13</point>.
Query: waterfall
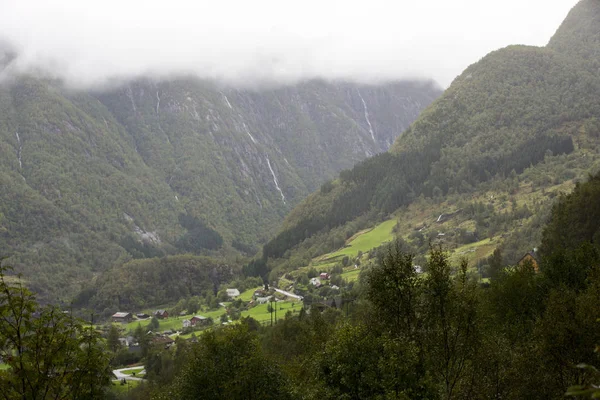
<point>367,115</point>
<point>275,181</point>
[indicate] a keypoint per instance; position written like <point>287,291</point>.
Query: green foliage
<point>228,364</point>
<point>92,179</point>
<point>511,111</point>
<point>48,352</point>
<point>153,282</point>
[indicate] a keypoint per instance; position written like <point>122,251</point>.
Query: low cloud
<point>266,41</point>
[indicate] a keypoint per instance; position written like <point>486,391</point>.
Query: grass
<point>4,367</point>
<point>258,312</point>
<point>174,323</point>
<point>247,295</point>
<point>117,387</point>
<point>364,241</point>
<point>474,251</point>
<point>132,371</point>
<point>261,314</point>
<point>351,275</point>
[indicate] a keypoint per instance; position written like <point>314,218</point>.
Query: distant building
<point>335,287</point>
<point>163,341</point>
<point>199,320</point>
<point>142,316</point>
<point>324,275</point>
<point>531,258</point>
<point>263,300</point>
<point>122,317</point>
<point>233,292</point>
<point>161,314</point>
<point>315,282</point>
<point>187,323</point>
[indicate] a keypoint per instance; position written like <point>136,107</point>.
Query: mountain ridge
<point>504,114</point>
<point>92,179</point>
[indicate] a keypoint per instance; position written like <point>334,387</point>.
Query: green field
<point>258,312</point>
<point>174,323</point>
<point>137,371</point>
<point>118,388</point>
<point>261,314</point>
<point>363,241</point>
<point>4,367</point>
<point>473,251</point>
<point>351,274</point>
<point>247,295</point>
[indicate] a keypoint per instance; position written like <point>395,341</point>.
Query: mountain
<point>519,112</point>
<point>91,179</point>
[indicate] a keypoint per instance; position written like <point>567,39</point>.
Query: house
<point>199,320</point>
<point>233,292</point>
<point>163,341</point>
<point>260,293</point>
<point>127,341</point>
<point>316,282</point>
<point>142,316</point>
<point>122,317</point>
<point>161,314</point>
<point>531,258</point>
<point>187,323</point>
<point>263,300</point>
<point>324,275</point>
<point>335,287</point>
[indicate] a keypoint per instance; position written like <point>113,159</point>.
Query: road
<point>120,375</point>
<point>288,294</point>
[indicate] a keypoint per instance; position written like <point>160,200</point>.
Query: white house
<point>263,300</point>
<point>233,292</point>
<point>187,323</point>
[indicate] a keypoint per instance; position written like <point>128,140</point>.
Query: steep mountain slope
<point>510,111</point>
<point>90,180</point>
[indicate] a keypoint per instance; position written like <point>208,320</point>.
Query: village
<point>161,328</point>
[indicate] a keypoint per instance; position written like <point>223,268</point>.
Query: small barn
<point>122,317</point>
<point>199,320</point>
<point>530,258</point>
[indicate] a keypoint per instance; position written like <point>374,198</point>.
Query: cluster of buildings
<point>127,317</point>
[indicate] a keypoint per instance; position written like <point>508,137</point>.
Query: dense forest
<point>93,179</point>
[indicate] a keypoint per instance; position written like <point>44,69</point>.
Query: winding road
<point>120,375</point>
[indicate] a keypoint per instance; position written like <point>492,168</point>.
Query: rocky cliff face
<point>150,168</point>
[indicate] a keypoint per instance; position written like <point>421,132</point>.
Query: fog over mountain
<point>266,41</point>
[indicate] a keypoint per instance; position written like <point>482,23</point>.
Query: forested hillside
<point>519,113</point>
<point>151,168</point>
<point>529,333</point>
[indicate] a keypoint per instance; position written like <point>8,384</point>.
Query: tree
<point>393,288</point>
<point>112,339</point>
<point>193,305</point>
<point>50,354</point>
<point>496,264</point>
<point>450,322</point>
<point>228,364</point>
<point>141,335</point>
<point>154,324</point>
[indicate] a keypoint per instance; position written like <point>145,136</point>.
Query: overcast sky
<point>240,41</point>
